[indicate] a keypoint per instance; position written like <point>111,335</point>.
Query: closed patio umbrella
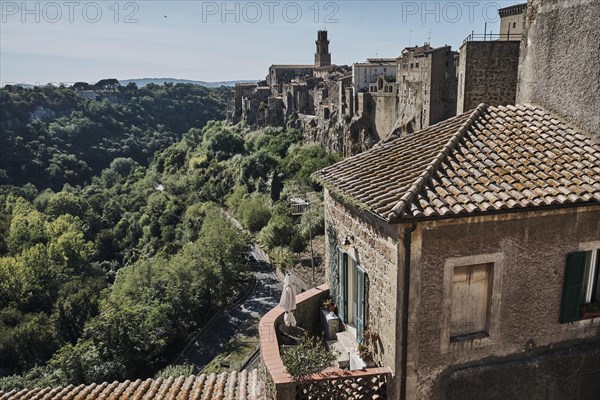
<point>288,301</point>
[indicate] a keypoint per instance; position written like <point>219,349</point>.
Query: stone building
<point>469,248</point>
<point>472,247</point>
<point>366,73</point>
<point>512,20</point>
<point>322,56</point>
<point>282,74</point>
<point>488,66</point>
<point>426,80</point>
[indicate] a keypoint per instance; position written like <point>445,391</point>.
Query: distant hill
<point>159,81</point>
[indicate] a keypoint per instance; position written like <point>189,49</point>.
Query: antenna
<point>429,37</point>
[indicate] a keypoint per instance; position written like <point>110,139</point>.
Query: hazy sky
<point>68,41</point>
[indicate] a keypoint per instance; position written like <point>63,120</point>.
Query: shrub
<point>254,212</point>
<point>278,232</point>
<point>282,258</point>
<point>308,357</point>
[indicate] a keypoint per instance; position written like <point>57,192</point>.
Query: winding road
<point>241,318</point>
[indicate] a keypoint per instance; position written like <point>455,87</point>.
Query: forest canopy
<point>51,136</point>
<point>103,279</point>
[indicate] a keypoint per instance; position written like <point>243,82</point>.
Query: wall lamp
<point>347,243</point>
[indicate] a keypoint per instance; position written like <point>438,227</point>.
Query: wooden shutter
<point>572,287</point>
<point>471,289</point>
<point>343,288</point>
<point>360,303</point>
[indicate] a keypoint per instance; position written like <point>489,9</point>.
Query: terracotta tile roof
<point>225,386</point>
<point>490,159</point>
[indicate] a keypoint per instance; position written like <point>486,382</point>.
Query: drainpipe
<point>405,297</point>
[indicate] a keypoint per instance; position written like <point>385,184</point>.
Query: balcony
<point>333,383</point>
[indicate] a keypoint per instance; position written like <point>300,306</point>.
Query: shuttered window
<point>360,303</point>
<point>343,288</point>
<point>579,267</point>
<point>471,295</point>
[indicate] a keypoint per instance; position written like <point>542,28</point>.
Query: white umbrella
<point>288,300</point>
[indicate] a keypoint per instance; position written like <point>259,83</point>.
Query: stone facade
<point>375,244</point>
<point>279,75</point>
<point>322,56</point>
<point>426,81</point>
<point>487,73</point>
<point>561,72</point>
<point>529,257</point>
<point>512,20</point>
<point>366,73</point>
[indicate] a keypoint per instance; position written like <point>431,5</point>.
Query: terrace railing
<point>332,383</point>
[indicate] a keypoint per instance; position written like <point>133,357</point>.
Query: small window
<point>417,65</point>
<point>581,286</point>
<point>514,24</point>
<point>411,65</point>
<point>471,294</point>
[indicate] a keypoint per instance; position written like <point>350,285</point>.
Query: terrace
<point>334,383</point>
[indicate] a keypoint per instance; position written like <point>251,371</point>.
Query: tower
<point>322,56</point>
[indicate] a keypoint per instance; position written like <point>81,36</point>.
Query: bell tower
<point>322,56</point>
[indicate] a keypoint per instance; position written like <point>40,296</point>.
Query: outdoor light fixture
<point>347,243</point>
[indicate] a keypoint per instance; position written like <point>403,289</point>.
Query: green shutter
<point>360,303</point>
<point>343,288</point>
<point>572,287</point>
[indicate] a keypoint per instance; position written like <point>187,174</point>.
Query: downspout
<point>407,242</point>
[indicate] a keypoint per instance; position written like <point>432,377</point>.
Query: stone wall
<point>376,245</point>
<point>487,74</point>
<point>572,372</point>
<point>560,66</point>
<point>385,113</point>
<point>529,253</point>
<point>442,85</point>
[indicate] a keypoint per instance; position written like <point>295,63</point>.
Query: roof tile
<point>225,386</point>
<point>490,159</point>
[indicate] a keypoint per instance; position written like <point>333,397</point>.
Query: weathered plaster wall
<point>385,113</point>
<point>560,59</point>
<point>533,249</point>
<point>487,74</point>
<point>573,373</point>
<point>376,244</point>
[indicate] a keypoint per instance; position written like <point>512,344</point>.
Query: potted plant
<point>364,353</point>
<point>370,335</point>
<point>590,310</point>
<point>329,304</point>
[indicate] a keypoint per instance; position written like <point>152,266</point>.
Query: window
<point>514,24</point>
<point>352,292</point>
<point>581,285</point>
<point>471,292</point>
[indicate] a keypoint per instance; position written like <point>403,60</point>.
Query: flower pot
<point>590,314</point>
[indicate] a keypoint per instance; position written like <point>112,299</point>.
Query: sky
<point>66,41</point>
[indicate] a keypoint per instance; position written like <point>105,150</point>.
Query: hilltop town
<point>349,109</point>
<point>424,226</point>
